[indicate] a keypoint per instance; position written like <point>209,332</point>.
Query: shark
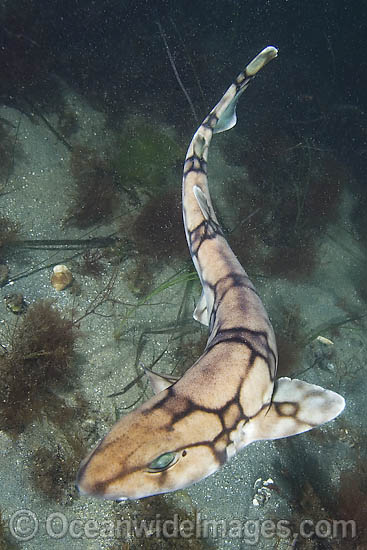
<point>230,397</point>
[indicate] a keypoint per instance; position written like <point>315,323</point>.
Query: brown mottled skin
<point>226,399</point>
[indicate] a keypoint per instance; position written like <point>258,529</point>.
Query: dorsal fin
<point>202,202</point>
<point>201,311</point>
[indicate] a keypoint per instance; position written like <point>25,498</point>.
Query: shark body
<point>230,396</point>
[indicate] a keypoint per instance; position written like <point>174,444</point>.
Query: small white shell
<point>61,277</point>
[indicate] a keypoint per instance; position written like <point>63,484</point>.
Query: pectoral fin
<point>160,382</point>
<point>296,407</point>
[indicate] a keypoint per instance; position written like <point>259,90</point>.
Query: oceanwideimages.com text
<point>24,525</point>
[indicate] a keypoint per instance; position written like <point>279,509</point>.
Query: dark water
<point>302,140</point>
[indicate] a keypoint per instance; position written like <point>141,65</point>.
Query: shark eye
<point>162,462</point>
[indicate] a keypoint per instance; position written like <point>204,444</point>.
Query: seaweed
<point>358,216</point>
<point>5,541</point>
<point>295,263</point>
<point>38,359</point>
<point>96,197</point>
<point>291,338</point>
<point>38,362</point>
<point>351,502</point>
<point>91,264</point>
<point>157,231</point>
<point>158,523</point>
<point>347,507</point>
<point>103,296</point>
<point>297,189</point>
<point>9,233</point>
<point>190,348</point>
<point>7,152</point>
<point>15,303</point>
<point>294,337</point>
<point>302,215</point>
<point>157,237</point>
<point>305,498</point>
<point>52,466</point>
<point>145,152</point>
<point>50,472</point>
<point>336,506</point>
<point>67,123</point>
<point>180,277</point>
<point>139,277</point>
<point>358,277</point>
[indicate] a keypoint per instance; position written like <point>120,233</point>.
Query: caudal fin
<point>228,117</point>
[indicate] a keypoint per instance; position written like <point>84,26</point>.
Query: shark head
<point>154,449</point>
<point>174,440</point>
